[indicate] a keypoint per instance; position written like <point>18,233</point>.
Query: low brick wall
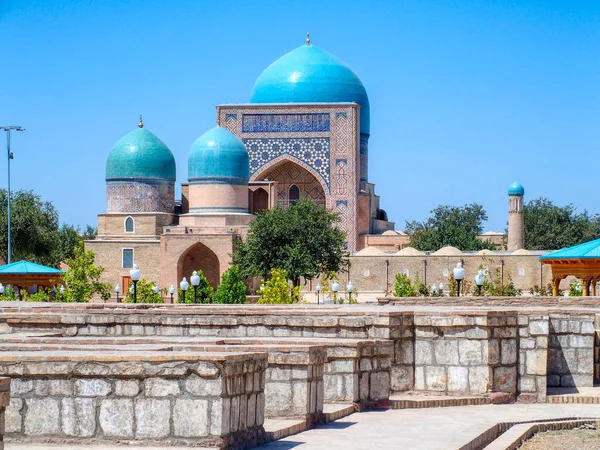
<point>571,350</point>
<point>214,399</point>
<point>4,402</point>
<point>490,302</point>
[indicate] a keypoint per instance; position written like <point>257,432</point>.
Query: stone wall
<point>208,399</point>
<point>533,357</point>
<point>571,350</point>
<point>4,402</point>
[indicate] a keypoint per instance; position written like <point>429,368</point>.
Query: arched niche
<point>199,257</point>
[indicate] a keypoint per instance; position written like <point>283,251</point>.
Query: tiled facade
<point>138,196</point>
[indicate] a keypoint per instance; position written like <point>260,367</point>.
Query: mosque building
<point>303,135</point>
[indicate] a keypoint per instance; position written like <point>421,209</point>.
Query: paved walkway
<point>419,429</point>
<point>436,428</point>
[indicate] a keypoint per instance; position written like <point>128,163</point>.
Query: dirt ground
<point>561,440</point>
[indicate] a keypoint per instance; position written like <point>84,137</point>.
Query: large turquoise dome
<point>516,189</point>
<point>311,75</point>
<point>218,157</point>
<point>140,155</point>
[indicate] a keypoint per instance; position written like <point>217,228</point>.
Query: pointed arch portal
<point>199,257</point>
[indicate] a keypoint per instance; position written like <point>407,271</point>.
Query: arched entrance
<point>199,257</point>
<point>294,182</point>
<point>260,200</point>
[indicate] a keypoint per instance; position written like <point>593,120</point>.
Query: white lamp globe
<point>117,288</point>
<point>459,272</point>
<point>135,273</point>
<point>195,278</point>
<point>172,290</point>
<point>184,285</point>
<point>318,288</point>
<point>335,286</point>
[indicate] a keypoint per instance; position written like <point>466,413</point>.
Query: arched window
<point>129,225</point>
<point>294,194</point>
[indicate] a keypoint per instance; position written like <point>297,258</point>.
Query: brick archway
<point>199,257</point>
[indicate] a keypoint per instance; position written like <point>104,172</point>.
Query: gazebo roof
<point>587,250</point>
<point>28,268</point>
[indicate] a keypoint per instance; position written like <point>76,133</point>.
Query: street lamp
<point>318,288</point>
<point>155,289</point>
<point>434,288</point>
<point>1,289</point>
<point>441,289</point>
<point>459,275</point>
<point>135,275</point>
<point>62,289</point>
<point>172,291</point>
<point>184,285</point>
<point>349,289</point>
<point>117,290</point>
<point>195,279</point>
<point>335,287</point>
<point>479,279</point>
<point>10,156</point>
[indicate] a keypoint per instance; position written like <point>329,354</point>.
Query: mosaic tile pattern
<point>312,151</point>
<point>281,123</point>
<point>140,197</point>
<point>291,174</point>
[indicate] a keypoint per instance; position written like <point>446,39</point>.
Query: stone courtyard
<point>241,376</point>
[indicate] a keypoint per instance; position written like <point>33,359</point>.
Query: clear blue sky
<point>466,96</point>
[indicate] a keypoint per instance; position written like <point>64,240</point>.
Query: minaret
<point>516,219</point>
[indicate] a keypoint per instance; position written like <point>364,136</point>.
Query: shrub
<point>576,289</point>
<point>276,289</point>
<point>232,288</point>
<point>144,293</point>
<point>82,278</point>
<point>403,286</point>
<point>204,291</point>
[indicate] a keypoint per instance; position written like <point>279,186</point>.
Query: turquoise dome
<point>516,189</point>
<point>218,157</point>
<point>311,75</point>
<point>140,155</point>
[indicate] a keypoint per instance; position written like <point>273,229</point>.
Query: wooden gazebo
<point>25,274</point>
<point>581,261</point>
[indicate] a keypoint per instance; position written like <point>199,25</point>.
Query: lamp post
<point>1,289</point>
<point>479,279</point>
<point>10,156</point>
<point>335,287</point>
<point>434,289</point>
<point>349,289</point>
<point>318,288</point>
<point>135,275</point>
<point>117,290</point>
<point>184,285</point>
<point>459,275</point>
<point>195,279</point>
<point>155,289</point>
<point>441,289</point>
<point>172,291</point>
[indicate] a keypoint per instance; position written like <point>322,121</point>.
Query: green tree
<point>551,227</point>
<point>144,293</point>
<point>450,225</point>
<point>232,288</point>
<point>403,286</point>
<point>303,240</point>
<point>204,291</point>
<point>82,277</point>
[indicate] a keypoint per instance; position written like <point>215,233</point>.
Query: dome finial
<point>308,38</point>
<point>141,124</point>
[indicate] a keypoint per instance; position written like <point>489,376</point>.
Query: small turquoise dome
<point>140,155</point>
<point>516,189</point>
<point>311,75</point>
<point>218,157</point>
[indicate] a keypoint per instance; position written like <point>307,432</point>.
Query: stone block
<point>538,327</point>
<point>13,417</point>
<point>380,386</point>
<point>340,366</point>
<point>527,384</point>
<point>405,352</point>
<point>527,343</point>
<point>536,362</point>
<point>278,398</point>
<point>476,333</point>
<point>202,386</point>
<point>279,373</point>
<point>470,352</point>
<point>554,380</point>
<point>479,380</point>
<point>116,417</point>
<point>300,400</point>
<point>220,416</point>
<point>127,388</point>
<point>423,353</point>
<point>402,378</point>
<point>541,342</point>
<point>446,352</point>
<point>587,327</point>
<point>557,361</point>
<point>505,332</point>
<point>152,418</point>
<point>19,386</point>
<point>458,379</point>
<point>251,411</point>
<point>508,351</point>
<point>92,387</point>
<point>574,326</point>
<point>579,341</point>
<point>42,417</point>
<point>78,417</point>
<point>53,387</point>
<point>505,379</point>
<point>435,378</point>
<point>576,381</point>
<point>159,387</point>
<point>190,418</point>
<point>493,352</point>
<point>420,378</point>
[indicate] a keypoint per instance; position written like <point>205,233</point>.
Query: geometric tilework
<point>312,151</point>
<point>281,123</point>
<point>139,197</point>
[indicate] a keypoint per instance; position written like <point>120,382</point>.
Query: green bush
<point>576,289</point>
<point>82,278</point>
<point>144,293</point>
<point>276,289</point>
<point>403,286</point>
<point>232,288</point>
